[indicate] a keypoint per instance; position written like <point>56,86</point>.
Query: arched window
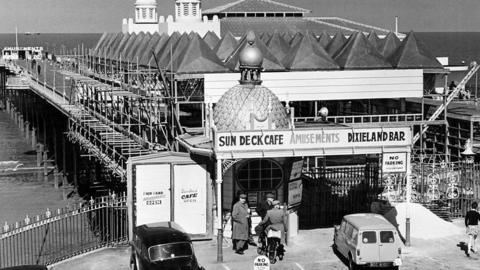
<point>260,174</point>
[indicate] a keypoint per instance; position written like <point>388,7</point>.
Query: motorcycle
<point>272,246</point>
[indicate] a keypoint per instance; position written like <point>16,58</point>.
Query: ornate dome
<point>233,110</point>
<point>236,107</point>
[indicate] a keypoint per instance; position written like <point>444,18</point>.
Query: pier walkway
<point>106,140</point>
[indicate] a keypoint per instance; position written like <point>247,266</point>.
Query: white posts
<point>408,198</point>
<point>219,211</point>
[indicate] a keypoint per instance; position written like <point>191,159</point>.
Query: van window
<point>369,237</point>
<point>343,225</point>
<point>349,230</point>
<point>355,235</point>
<point>386,237</point>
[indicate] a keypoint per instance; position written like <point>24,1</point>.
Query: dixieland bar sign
<point>311,138</point>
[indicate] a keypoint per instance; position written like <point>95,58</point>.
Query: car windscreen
<point>369,237</point>
<point>170,251</point>
<point>386,237</point>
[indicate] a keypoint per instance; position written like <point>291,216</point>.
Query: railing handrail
<point>380,117</point>
<point>49,216</point>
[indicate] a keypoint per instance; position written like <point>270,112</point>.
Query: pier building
<point>321,119</point>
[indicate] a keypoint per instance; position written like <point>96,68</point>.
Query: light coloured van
<point>368,240</point>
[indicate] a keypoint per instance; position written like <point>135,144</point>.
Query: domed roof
<point>234,108</point>
<point>146,2</point>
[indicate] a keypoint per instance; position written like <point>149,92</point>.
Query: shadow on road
<point>463,246</point>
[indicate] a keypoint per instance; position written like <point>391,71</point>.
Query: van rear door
<point>369,249</point>
<point>388,247</point>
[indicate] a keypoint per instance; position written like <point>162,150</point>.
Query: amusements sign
<point>394,162</point>
<point>311,138</point>
<point>152,196</point>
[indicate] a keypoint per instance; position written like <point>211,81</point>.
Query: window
<point>349,231</point>
<point>387,237</point>
<point>185,9</point>
<point>170,251</point>
<point>194,9</point>
<point>151,13</point>
<point>343,226</point>
<point>259,174</point>
<point>137,13</point>
<point>354,235</point>
<point>144,13</point>
<point>178,10</point>
<point>369,237</point>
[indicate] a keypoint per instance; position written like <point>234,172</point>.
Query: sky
<point>96,16</point>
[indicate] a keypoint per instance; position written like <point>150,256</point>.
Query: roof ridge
<point>286,5</point>
<point>315,19</point>
<point>228,5</point>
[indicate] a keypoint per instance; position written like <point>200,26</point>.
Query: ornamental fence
<point>330,193</point>
<point>57,235</point>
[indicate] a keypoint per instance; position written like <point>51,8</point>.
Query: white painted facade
<point>327,85</point>
<point>187,18</point>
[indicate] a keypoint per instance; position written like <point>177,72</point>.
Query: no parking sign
<point>261,263</point>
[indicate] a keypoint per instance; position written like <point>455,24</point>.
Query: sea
<point>51,42</point>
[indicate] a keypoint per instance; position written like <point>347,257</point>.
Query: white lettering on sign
<point>394,162</point>
<point>261,263</point>
<point>295,189</point>
<point>308,139</point>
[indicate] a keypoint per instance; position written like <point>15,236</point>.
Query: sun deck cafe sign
<point>311,138</point>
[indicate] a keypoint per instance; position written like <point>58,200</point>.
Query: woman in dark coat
<point>240,230</point>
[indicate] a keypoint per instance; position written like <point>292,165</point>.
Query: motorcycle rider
<point>275,220</point>
<point>262,209</point>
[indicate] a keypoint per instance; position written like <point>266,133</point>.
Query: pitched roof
<point>324,39</point>
<point>336,43</point>
<point>375,40</point>
<point>270,61</point>
<point>139,42</point>
<point>211,39</point>
<point>307,54</point>
<point>128,45</point>
<point>146,53</point>
<point>225,46</point>
<point>390,44</point>
<point>359,53</point>
<point>115,54</point>
<point>169,57</point>
<point>243,6</point>
<point>198,58</point>
<point>278,46</point>
<point>160,49</point>
<point>413,53</point>
<point>296,38</point>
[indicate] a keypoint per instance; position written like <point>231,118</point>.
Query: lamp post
<point>469,159</point>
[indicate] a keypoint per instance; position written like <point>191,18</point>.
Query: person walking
<point>275,220</point>
<point>240,216</point>
<point>471,222</point>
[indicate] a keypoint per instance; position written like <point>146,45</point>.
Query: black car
<point>162,246</point>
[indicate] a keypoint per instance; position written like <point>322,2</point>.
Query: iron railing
<point>58,235</point>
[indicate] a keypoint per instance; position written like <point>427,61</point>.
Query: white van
<point>368,240</point>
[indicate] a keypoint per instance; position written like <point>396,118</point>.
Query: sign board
<point>311,138</point>
<point>190,202</point>
<point>261,263</point>
<point>394,162</point>
<point>296,172</point>
<point>295,189</point>
<point>152,193</point>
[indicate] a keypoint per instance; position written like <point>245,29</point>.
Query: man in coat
<point>275,220</point>
<point>240,230</point>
